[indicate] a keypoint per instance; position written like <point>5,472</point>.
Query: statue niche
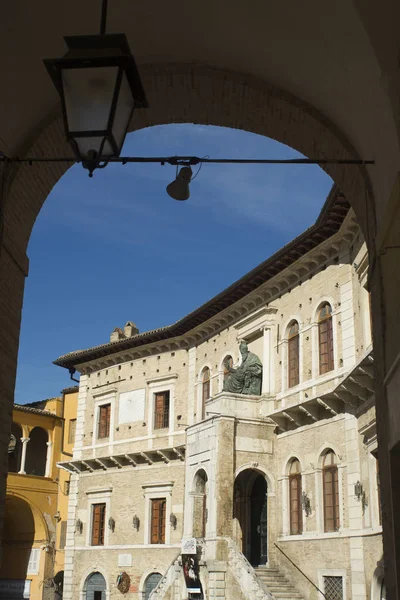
<point>247,378</point>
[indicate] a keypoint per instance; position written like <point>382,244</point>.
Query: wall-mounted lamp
<point>136,522</point>
<point>306,504</point>
<point>360,495</point>
<point>79,526</point>
<point>111,524</point>
<point>358,490</point>
<point>173,520</point>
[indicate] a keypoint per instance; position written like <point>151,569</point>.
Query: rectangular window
<point>161,410</point>
<point>66,487</point>
<point>71,431</point>
<point>325,333</point>
<point>296,525</point>
<point>98,523</point>
<point>331,499</point>
<point>33,564</point>
<point>104,421</point>
<point>63,534</point>
<point>158,510</point>
<point>333,587</point>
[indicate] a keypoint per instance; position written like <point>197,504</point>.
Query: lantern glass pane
<point>85,144</point>
<point>123,113</point>
<point>88,96</point>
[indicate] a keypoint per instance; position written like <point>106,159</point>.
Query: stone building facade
<point>280,490</point>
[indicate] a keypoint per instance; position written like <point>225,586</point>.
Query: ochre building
<point>37,498</point>
<point>280,490</point>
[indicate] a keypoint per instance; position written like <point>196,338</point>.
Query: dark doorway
<point>251,513</point>
<point>95,587</point>
<point>258,518</point>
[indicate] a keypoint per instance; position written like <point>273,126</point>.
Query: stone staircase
<point>276,583</point>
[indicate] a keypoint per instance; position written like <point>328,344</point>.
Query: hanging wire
<point>199,169</point>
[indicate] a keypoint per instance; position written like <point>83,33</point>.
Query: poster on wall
<point>189,546</point>
<point>190,566</point>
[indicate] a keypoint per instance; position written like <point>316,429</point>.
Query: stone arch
<point>262,471</point>
<point>378,588</point>
<point>200,503</point>
<point>324,449</point>
<point>289,459</point>
<point>288,322</point>
<point>149,582</point>
<point>317,305</point>
<point>250,515</point>
<point>36,455</point>
<point>93,582</point>
<point>182,93</point>
<point>15,448</point>
<point>24,529</point>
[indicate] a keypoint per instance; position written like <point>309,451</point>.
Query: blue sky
<point>116,247</point>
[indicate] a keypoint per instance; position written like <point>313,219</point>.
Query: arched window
<point>200,504</point>
<point>150,584</point>
<point>296,520</point>
<point>14,448</point>
<point>228,362</point>
<point>36,453</point>
<point>95,587</point>
<point>293,354</point>
<point>330,476</point>
<point>205,379</point>
<point>325,338</point>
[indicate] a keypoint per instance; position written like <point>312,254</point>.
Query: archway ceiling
<point>322,56</point>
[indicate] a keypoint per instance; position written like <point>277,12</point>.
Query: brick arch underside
<point>202,95</point>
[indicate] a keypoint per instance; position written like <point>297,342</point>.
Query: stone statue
<point>247,378</point>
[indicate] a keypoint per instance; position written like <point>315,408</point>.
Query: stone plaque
<point>131,406</point>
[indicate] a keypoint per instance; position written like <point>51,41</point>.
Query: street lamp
<point>99,86</point>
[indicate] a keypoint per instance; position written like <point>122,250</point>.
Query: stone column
<point>266,377</point>
<point>48,459</point>
<point>285,506</point>
<point>23,456</point>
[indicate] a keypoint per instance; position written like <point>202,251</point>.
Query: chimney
<point>117,334</point>
<point>130,329</point>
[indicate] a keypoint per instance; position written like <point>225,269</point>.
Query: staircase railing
<point>247,577</point>
<point>156,593</point>
<point>298,568</point>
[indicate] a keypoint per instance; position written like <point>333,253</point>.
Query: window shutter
<point>336,497</point>
<point>72,430</point>
<point>63,534</point>
<point>158,510</point>
<point>161,410</point>
<point>331,499</point>
<point>104,421</point>
<point>294,370</point>
<point>296,524</point>
<point>33,564</point>
<point>98,518</point>
<point>325,334</point>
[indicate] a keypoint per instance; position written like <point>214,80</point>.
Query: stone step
<point>277,584</point>
<point>269,576</point>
